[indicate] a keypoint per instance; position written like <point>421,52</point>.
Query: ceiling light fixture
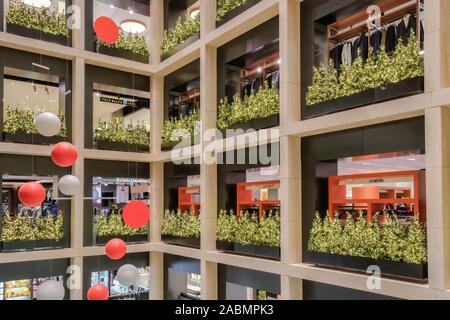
<point>411,159</point>
<point>38,3</point>
<point>132,26</point>
<point>194,13</point>
<point>130,11</point>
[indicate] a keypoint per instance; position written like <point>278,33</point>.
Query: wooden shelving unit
<point>246,200</point>
<point>391,10</point>
<point>186,201</point>
<point>372,199</point>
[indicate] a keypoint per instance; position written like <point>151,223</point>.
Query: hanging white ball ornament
<point>50,290</point>
<point>69,185</point>
<point>48,124</point>
<point>127,275</point>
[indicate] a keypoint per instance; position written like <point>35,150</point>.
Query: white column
<point>157,28</point>
<point>290,158</point>
<point>437,132</point>
<point>207,16</point>
<point>156,276</point>
<point>77,223</point>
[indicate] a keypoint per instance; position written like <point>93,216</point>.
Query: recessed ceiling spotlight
<point>132,26</point>
<point>279,61</point>
<point>259,70</point>
<point>131,12</point>
<point>111,6</point>
<point>411,159</point>
<point>194,13</point>
<point>367,163</point>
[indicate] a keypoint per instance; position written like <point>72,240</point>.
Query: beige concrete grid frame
<point>433,104</point>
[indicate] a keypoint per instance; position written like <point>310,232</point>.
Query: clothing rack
<point>397,12</point>
<point>346,30</point>
<point>259,69</point>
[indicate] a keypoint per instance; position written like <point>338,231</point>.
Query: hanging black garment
<point>256,84</point>
<point>361,44</point>
<point>269,80</point>
<point>375,41</point>
<point>247,90</point>
<point>422,35</point>
<point>336,55</point>
<point>276,79</point>
<point>404,30</point>
<point>391,38</point>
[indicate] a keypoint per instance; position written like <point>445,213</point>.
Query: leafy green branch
<point>249,229</point>
<point>264,103</point>
<point>48,21</point>
<point>176,130</point>
<point>181,224</point>
<point>226,6</point>
<point>26,228</point>
<point>185,27</point>
<point>379,70</point>
<point>115,131</point>
<point>113,225</point>
<point>132,42</point>
<point>391,241</point>
<point>21,121</point>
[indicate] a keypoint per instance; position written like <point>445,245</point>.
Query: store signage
<point>127,103</point>
<point>376,180</point>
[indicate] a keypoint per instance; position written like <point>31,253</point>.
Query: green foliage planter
<point>229,9</point>
<point>181,228</point>
<point>26,233</point>
<point>19,127</point>
<point>248,235</point>
<point>380,78</point>
<point>258,111</point>
<point>176,131</point>
<point>129,46</point>
<point>47,25</point>
<point>185,28</point>
<point>192,39</point>
<point>114,136</point>
<point>399,250</point>
<point>107,228</point>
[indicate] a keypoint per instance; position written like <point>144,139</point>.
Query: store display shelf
<point>393,269</point>
<point>36,34</point>
<point>236,12</point>
<point>392,110</point>
<point>140,238</point>
<point>125,54</point>
<point>182,241</point>
<point>33,245</point>
<point>272,253</point>
<point>120,146</point>
<point>392,91</point>
<point>31,139</point>
<point>255,124</point>
<point>194,38</point>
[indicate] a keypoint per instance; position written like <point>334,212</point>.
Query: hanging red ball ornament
<point>32,194</point>
<point>136,214</point>
<point>115,249</point>
<point>64,154</point>
<point>98,292</point>
<point>106,30</point>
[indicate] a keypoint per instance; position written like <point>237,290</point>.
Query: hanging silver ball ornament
<point>127,275</point>
<point>48,124</point>
<point>69,185</point>
<point>50,290</point>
